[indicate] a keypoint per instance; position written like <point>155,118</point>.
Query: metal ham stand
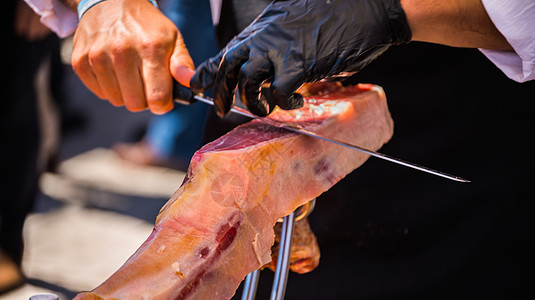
<point>283,262</point>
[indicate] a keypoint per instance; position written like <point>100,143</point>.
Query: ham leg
<point>218,226</point>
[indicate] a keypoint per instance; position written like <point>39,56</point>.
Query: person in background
<point>385,232</point>
<point>28,44</point>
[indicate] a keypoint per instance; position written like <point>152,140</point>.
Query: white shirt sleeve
<point>55,15</point>
<point>515,19</point>
<point>63,21</point>
<point>215,9</point>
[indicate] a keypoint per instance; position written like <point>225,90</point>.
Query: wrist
<point>84,5</point>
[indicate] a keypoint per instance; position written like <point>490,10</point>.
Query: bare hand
<point>126,51</point>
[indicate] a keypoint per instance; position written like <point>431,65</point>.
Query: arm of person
<point>298,41</point>
<point>128,52</point>
<point>459,23</point>
<point>501,29</point>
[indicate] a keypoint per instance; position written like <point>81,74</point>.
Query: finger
<point>158,87</point>
<point>205,73</point>
<point>204,76</point>
<point>181,65</point>
<point>183,75</point>
<point>158,65</point>
<point>252,74</point>
<point>226,78</point>
<point>82,68</point>
<point>104,73</point>
<point>128,68</point>
<point>286,81</point>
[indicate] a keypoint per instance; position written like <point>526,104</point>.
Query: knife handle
<point>182,94</point>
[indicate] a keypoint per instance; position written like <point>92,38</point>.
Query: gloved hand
<point>298,41</point>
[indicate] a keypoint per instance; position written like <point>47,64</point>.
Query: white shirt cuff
<point>55,15</point>
<point>511,64</point>
<point>515,19</point>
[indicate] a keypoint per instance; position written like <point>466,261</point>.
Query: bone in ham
<point>304,253</point>
<point>218,226</point>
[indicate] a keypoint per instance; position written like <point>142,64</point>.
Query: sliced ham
<point>218,226</point>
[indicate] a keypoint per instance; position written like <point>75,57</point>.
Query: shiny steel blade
<point>301,130</point>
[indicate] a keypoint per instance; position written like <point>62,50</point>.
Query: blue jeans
<point>178,134</point>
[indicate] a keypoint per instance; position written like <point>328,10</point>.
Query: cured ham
<point>218,225</point>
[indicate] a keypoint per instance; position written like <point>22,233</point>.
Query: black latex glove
<point>298,41</point>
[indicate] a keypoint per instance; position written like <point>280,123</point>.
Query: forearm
<point>458,23</point>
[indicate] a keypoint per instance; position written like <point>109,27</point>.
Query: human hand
<point>127,51</point>
<point>298,41</point>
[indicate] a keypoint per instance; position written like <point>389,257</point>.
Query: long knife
<point>184,95</point>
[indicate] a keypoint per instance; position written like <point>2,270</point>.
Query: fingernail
<point>183,75</point>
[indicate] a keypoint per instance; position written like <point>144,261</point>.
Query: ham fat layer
<point>218,226</point>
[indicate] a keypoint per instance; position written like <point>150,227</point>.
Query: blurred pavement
<point>96,209</point>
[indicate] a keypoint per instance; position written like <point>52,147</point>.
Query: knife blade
<point>184,95</point>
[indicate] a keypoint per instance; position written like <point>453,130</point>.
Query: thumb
<point>181,64</point>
